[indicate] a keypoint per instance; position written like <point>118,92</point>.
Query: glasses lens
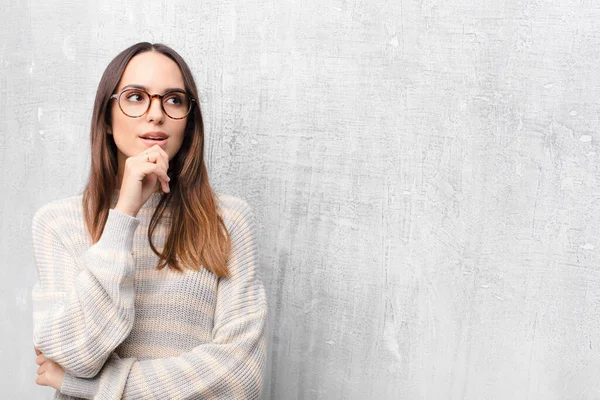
<point>134,102</point>
<point>176,104</point>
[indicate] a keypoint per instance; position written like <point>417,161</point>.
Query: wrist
<point>84,388</point>
<point>118,231</point>
<point>125,210</point>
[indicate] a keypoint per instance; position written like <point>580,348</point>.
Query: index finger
<point>162,152</point>
<point>37,351</point>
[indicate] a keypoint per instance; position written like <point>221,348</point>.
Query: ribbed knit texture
<point>123,330</point>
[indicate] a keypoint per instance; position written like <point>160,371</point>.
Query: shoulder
<point>237,214</point>
<point>232,204</point>
<point>58,214</point>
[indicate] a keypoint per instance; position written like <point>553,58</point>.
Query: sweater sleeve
<point>229,367</point>
<point>83,307</point>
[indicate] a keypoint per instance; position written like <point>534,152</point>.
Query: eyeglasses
<point>136,102</point>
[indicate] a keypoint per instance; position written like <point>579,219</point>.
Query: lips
<point>162,141</point>
<point>155,136</point>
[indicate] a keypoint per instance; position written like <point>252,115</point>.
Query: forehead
<point>152,70</point>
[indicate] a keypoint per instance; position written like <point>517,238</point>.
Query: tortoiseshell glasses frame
<point>149,97</point>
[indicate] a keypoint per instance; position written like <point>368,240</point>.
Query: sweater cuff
<point>119,231</point>
<point>84,388</point>
<point>114,376</point>
<point>110,381</point>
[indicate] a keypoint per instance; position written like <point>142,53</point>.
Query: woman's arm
<point>81,313</point>
<point>229,367</point>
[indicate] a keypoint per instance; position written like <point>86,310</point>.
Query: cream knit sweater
<point>122,329</point>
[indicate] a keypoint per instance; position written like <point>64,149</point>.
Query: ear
<point>108,123</point>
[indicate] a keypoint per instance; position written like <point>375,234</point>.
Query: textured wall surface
<point>425,175</point>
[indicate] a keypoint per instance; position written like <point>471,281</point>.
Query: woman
<point>147,282</point>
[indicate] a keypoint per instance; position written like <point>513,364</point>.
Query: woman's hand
<point>49,372</point>
<point>140,177</point>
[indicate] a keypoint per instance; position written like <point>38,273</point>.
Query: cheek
<point>120,122</point>
<point>179,136</point>
<point>122,129</point>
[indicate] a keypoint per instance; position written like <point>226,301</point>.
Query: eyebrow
<point>133,86</point>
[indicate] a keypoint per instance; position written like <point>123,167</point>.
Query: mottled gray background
<point>425,176</point>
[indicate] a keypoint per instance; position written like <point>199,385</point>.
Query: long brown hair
<point>198,236</point>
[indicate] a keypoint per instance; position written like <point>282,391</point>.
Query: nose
<point>155,112</point>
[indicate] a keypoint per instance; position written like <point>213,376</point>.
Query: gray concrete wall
<point>425,175</point>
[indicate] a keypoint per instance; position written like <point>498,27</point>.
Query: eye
<point>134,96</point>
<point>175,99</point>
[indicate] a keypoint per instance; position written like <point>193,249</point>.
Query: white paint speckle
<point>330,342</point>
<point>573,113</point>
<point>394,41</point>
<point>68,49</point>
<point>566,182</point>
<point>264,60</point>
<point>21,297</point>
<point>261,31</point>
<point>233,23</point>
<point>484,286</point>
<point>253,141</point>
<point>548,85</point>
<point>227,81</point>
<point>585,138</point>
<point>587,246</point>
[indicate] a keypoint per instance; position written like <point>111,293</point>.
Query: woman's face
<point>157,74</point>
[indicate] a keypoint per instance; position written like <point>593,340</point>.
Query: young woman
<point>148,283</point>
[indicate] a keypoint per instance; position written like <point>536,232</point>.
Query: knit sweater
<point>120,328</point>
